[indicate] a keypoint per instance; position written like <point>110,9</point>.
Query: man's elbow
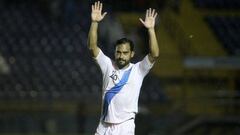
<point>155,55</point>
<point>91,45</point>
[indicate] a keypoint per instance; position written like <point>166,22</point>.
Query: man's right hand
<point>97,15</point>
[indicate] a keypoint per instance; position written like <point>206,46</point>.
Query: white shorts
<point>124,128</point>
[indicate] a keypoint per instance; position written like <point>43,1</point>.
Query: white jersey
<point>121,88</point>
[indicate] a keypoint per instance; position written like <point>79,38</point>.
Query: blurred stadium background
<point>49,85</point>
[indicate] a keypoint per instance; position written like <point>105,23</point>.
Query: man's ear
<point>132,54</point>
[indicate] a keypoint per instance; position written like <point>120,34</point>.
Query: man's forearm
<point>153,44</point>
<point>92,37</point>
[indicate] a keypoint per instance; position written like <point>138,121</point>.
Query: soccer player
<point>122,79</point>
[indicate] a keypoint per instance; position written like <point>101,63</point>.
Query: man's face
<point>123,55</point>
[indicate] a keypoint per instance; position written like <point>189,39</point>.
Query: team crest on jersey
<point>114,76</point>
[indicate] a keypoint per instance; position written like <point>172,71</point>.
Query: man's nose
<point>121,55</point>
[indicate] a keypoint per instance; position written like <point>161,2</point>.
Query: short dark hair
<point>123,41</point>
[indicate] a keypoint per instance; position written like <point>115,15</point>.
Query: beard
<point>122,63</point>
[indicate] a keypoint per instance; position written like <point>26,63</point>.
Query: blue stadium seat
<point>217,4</point>
<point>227,30</point>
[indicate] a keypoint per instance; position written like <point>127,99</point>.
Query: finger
<point>150,12</point>
<point>92,7</point>
<point>101,6</point>
<point>146,14</point>
<point>98,5</point>
<point>155,15</point>
<point>153,12</point>
<point>95,6</point>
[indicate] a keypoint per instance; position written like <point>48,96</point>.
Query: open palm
<point>97,12</point>
<point>150,17</point>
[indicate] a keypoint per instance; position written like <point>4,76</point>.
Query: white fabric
<point>124,105</point>
<point>124,128</point>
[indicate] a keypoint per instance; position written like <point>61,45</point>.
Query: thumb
<point>142,21</point>
<point>104,14</point>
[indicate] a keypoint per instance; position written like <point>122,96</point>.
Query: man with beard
<point>122,79</point>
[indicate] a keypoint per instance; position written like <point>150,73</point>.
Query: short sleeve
<point>145,65</point>
<point>103,61</point>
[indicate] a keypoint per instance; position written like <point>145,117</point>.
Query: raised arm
<point>96,17</point>
<point>149,23</point>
